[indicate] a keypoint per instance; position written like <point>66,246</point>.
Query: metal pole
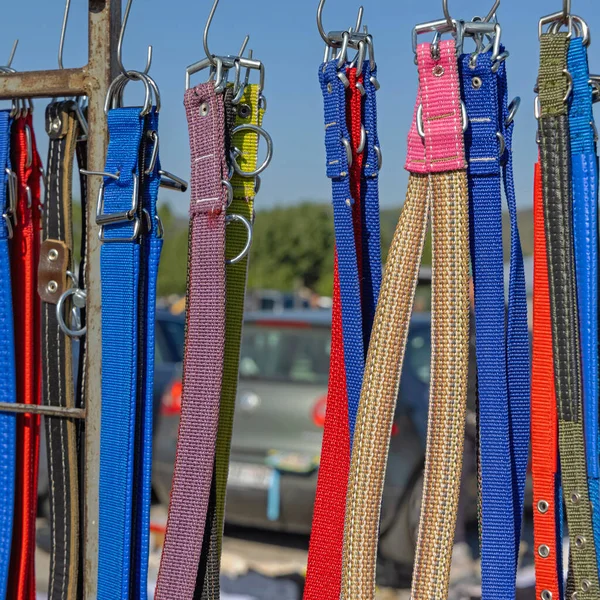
<point>104,25</point>
<point>93,81</point>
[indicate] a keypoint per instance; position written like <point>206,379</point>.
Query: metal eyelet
<point>543,506</point>
<point>544,551</point>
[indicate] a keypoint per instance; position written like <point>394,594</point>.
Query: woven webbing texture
<point>379,393</point>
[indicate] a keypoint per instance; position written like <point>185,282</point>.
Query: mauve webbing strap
<point>204,346</point>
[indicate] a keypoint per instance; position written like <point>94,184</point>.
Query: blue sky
<point>284,35</point>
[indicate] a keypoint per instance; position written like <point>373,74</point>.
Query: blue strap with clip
<point>585,235</point>
<point>118,217</point>
<point>7,355</point>
<point>338,155</point>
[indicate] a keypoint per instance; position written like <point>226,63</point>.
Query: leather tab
<point>52,270</point>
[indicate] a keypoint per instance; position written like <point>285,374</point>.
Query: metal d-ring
<point>513,109</point>
<point>261,132</point>
<point>231,219</point>
<point>450,21</point>
<point>115,91</point>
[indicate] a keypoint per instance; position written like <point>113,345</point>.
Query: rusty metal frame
<point>92,81</point>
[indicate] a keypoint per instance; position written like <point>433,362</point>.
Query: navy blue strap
<point>7,361</point>
<point>120,263</point>
<point>498,560</point>
<point>334,95</point>
<point>518,349</point>
<point>152,247</point>
<point>585,234</point>
<point>371,233</point>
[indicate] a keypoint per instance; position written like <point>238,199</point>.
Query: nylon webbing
<point>437,168</point>
<point>151,249</point>
<point>497,488</point>
<point>120,266</point>
<point>56,259</point>
<point>8,392</point>
<point>24,257</point>
<point>557,192</point>
<point>204,347</point>
<point>244,192</point>
<point>544,419</point>
<point>585,235</point>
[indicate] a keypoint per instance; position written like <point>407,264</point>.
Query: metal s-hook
<point>120,44</point>
<point>63,32</point>
<point>209,54</point>
<point>321,29</point>
<point>12,53</point>
<point>450,21</point>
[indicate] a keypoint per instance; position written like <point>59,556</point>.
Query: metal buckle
<point>128,216</point>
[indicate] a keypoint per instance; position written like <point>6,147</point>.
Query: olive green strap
<point>558,199</point>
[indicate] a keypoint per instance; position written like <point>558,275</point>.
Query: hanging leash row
<point>8,201</point>
<point>25,249</point>
<point>554,91</point>
<point>438,171</point>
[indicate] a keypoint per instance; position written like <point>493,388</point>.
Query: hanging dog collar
<point>204,347</point>
<point>557,199</point>
<point>503,375</point>
<point>58,291</point>
<point>24,258</point>
<point>437,166</point>
<point>8,201</point>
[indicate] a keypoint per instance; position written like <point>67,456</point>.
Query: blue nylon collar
<point>7,367</point>
<point>334,96</point>
<point>503,376</point>
<point>120,266</point>
<point>585,237</point>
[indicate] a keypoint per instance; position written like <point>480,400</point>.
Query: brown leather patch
<point>52,270</point>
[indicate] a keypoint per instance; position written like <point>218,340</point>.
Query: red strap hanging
<point>544,420</point>
<point>25,250</point>
<point>324,571</point>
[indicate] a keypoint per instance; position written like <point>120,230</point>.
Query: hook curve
<point>63,32</point>
<point>209,54</point>
<point>120,44</point>
<point>494,8</point>
<point>12,53</point>
<point>321,29</point>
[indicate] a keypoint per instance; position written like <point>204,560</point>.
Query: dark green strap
<point>558,201</point>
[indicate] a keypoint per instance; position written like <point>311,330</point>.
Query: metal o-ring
<point>261,132</point>
<point>74,333</point>
<point>230,219</point>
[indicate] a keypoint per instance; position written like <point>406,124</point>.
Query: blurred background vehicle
<point>280,413</point>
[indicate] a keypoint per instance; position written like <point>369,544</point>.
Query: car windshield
<point>300,353</point>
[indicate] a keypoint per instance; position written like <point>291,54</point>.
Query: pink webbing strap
<point>443,148</point>
<point>204,347</point>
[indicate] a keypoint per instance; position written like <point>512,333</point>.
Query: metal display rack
<point>93,81</point>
